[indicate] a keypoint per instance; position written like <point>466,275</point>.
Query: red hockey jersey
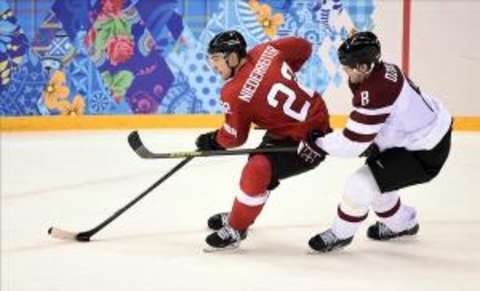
<point>266,92</point>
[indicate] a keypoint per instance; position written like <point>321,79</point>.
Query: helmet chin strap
<point>372,65</point>
<point>232,68</point>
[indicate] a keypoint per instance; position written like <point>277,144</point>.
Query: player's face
<point>219,65</point>
<point>355,75</point>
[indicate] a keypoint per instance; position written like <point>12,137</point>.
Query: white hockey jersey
<point>390,111</point>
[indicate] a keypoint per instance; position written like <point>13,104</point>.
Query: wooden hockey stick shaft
<point>86,235</point>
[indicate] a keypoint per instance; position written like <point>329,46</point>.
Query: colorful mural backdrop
<point>73,57</point>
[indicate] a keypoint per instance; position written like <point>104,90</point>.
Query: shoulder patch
<point>391,73</point>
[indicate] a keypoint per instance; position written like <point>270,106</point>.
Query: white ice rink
<point>75,180</point>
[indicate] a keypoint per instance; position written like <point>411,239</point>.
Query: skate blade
<point>211,249</point>
<point>326,251</point>
<point>320,253</point>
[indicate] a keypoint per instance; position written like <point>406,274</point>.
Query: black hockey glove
<point>371,152</point>
<point>207,142</point>
<point>308,149</point>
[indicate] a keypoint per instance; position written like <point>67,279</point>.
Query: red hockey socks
<point>248,204</point>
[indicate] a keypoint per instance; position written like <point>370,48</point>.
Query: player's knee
<point>360,189</point>
<point>256,175</point>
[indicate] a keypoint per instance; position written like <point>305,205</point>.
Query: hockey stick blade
<point>137,145</point>
<point>86,235</point>
<point>69,235</point>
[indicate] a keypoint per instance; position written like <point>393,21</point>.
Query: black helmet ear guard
<point>360,48</point>
<point>228,42</point>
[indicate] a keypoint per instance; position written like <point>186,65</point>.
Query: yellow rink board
<point>40,123</point>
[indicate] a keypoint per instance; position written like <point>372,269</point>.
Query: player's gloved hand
<point>207,142</point>
<point>308,149</point>
<point>371,152</point>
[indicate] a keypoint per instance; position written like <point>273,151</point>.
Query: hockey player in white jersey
<point>404,134</point>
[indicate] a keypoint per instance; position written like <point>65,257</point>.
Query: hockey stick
<point>85,236</point>
<point>137,145</point>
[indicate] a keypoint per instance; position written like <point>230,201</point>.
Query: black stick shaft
<point>142,151</point>
<point>89,233</point>
<point>213,153</point>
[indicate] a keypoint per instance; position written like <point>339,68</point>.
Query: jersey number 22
<point>288,74</point>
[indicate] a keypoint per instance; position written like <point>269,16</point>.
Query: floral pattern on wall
<point>109,57</point>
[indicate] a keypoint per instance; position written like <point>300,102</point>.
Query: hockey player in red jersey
<point>261,88</point>
<point>404,133</point>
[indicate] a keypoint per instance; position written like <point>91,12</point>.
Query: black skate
<point>327,241</point>
<point>380,231</point>
<point>225,238</point>
<point>219,220</point>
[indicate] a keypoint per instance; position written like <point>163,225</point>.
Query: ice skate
<point>225,239</point>
<point>217,221</point>
<point>380,231</point>
<point>406,218</point>
<point>327,241</point>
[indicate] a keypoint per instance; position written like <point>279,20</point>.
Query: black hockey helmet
<point>228,42</point>
<point>360,48</point>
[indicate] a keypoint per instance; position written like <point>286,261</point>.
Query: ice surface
<point>75,180</point>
